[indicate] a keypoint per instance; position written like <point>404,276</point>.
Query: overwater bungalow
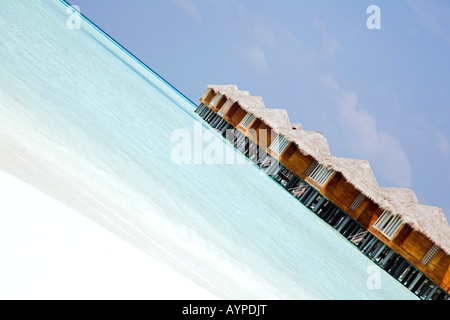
<point>408,240</point>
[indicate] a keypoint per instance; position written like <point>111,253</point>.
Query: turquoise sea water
<point>95,126</point>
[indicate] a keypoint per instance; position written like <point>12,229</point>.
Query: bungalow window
<point>225,107</point>
<point>247,121</point>
<point>279,144</point>
<point>319,173</point>
<point>430,255</point>
<point>388,224</point>
<point>359,199</point>
<point>215,100</point>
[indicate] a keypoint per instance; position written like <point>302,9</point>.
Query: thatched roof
<point>226,89</point>
<point>311,143</point>
<point>275,118</point>
<point>428,220</point>
<point>432,222</point>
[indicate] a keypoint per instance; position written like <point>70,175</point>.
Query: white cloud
<point>263,34</point>
<point>363,137</point>
<point>328,82</point>
<point>256,57</point>
<point>433,16</point>
<point>189,8</point>
<point>442,143</point>
<point>329,44</point>
<point>382,149</point>
<point>257,38</point>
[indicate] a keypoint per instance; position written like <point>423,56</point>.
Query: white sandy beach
<point>50,251</point>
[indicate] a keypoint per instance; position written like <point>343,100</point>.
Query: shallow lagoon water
<point>89,124</point>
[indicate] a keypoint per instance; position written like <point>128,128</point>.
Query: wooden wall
<point>296,161</point>
<point>209,95</point>
<point>371,210</point>
<point>260,133</point>
<point>441,268</point>
<point>219,104</point>
<point>235,114</point>
<point>341,193</point>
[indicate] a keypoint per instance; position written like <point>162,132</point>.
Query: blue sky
<point>378,95</point>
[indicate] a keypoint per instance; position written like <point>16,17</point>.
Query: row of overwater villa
<point>408,240</point>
